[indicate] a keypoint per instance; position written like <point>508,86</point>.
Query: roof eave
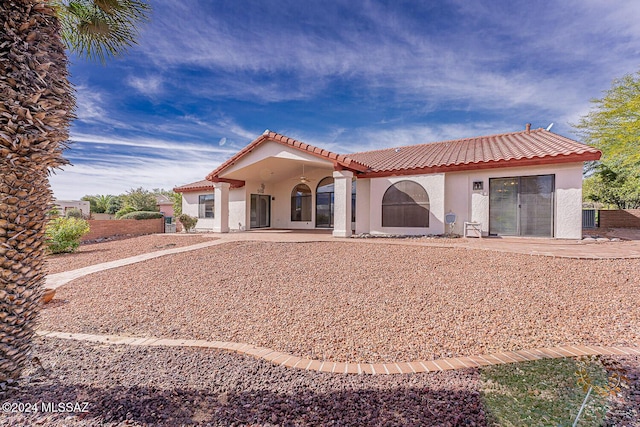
<point>535,161</point>
<point>338,160</point>
<point>190,189</point>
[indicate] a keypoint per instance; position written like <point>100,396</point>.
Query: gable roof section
<point>339,160</point>
<point>203,185</point>
<point>504,150</point>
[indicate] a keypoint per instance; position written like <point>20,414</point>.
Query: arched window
<point>301,203</point>
<point>405,204</point>
<point>324,203</point>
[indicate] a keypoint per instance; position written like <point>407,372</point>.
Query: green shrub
<point>54,212</point>
<point>125,210</point>
<point>114,205</point>
<point>141,200</point>
<point>74,213</point>
<point>142,215</point>
<point>188,221</point>
<point>63,234</point>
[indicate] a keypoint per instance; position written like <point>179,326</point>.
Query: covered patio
<point>277,182</point>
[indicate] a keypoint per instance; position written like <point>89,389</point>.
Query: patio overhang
<point>235,183</point>
<point>274,157</point>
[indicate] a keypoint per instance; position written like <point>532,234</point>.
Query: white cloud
<point>513,62</point>
<point>123,173</point>
<point>150,143</point>
<point>108,164</point>
<point>149,86</point>
<point>520,54</point>
<point>372,138</point>
<point>93,108</point>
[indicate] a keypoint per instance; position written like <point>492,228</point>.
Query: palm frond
<point>100,29</point>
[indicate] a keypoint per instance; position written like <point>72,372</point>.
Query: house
<point>66,205</point>
<point>526,183</point>
<point>165,205</point>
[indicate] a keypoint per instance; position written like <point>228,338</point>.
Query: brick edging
<point>291,361</point>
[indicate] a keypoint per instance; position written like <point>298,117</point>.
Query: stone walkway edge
<point>56,280</point>
<point>291,361</point>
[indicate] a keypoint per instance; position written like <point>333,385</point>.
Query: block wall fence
<point>101,228</point>
<point>622,218</point>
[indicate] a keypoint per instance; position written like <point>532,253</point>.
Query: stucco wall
<point>190,207</point>
<point>81,205</point>
<point>451,192</point>
<point>237,209</point>
<point>280,193</point>
<point>363,206</point>
<point>433,184</point>
<point>166,209</point>
<point>471,205</point>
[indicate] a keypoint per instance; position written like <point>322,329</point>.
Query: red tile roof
<point>510,149</point>
<point>337,159</point>
<point>524,148</point>
<point>203,185</point>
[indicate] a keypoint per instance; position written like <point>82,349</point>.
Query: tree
<point>140,200</point>
<point>115,204</point>
<point>36,108</point>
<point>613,126</point>
<point>100,29</point>
<point>177,203</point>
<point>612,187</point>
<point>99,203</point>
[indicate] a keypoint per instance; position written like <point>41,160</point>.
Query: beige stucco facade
<point>272,171</point>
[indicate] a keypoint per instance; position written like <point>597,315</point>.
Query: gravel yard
<point>129,385</point>
<point>126,385</point>
<point>358,302</point>
<point>95,253</point>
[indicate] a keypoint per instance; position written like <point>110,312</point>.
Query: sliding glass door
<point>536,201</point>
<point>521,206</point>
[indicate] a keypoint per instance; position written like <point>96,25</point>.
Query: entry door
<point>324,210</point>
<point>260,211</point>
<point>521,206</point>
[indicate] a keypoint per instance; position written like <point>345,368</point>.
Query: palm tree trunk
<point>36,104</point>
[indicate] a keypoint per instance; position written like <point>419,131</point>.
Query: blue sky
<point>210,76</point>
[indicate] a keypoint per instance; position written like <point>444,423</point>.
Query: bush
<point>124,211</point>
<point>63,234</point>
<point>142,215</point>
<point>188,221</point>
<point>114,205</point>
<point>74,213</point>
<point>54,212</point>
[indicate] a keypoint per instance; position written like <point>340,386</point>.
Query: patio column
<point>342,203</point>
<point>221,207</point>
<point>363,206</point>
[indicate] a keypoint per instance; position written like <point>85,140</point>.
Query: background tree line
<point>134,200</point>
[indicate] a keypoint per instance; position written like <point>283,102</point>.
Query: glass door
<point>503,206</point>
<point>324,203</point>
<point>260,211</point>
<point>536,205</point>
<point>521,206</point>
